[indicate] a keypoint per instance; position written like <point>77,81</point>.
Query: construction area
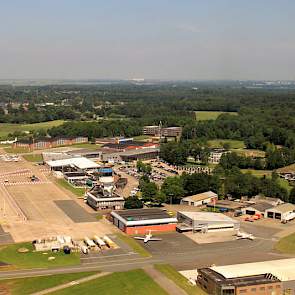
<point>32,206</point>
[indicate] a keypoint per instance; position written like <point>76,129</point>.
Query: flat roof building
<point>80,163</point>
<point>140,221</point>
<point>215,283</point>
<point>205,222</point>
<point>132,155</point>
<point>100,199</point>
<point>227,205</point>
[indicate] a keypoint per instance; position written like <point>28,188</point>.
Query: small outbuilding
<point>200,199</point>
<point>257,209</point>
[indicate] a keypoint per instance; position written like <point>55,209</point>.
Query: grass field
<point>258,173</point>
<point>233,144</point>
<point>134,245</point>
<point>120,283</point>
<point>18,150</point>
<point>28,286</point>
<point>286,244</point>
<point>6,128</point>
<point>179,280</point>
<point>250,153</point>
<point>10,255</point>
<point>33,157</point>
<point>204,115</point>
<point>79,192</point>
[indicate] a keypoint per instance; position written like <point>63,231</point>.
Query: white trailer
<point>89,243</point>
<point>109,242</point>
<point>100,242</point>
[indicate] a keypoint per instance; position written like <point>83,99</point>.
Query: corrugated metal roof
<point>283,269</point>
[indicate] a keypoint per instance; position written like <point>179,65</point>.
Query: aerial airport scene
<point>147,147</point>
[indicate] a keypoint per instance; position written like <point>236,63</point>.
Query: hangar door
<point>270,214</point>
<point>250,212</point>
<point>278,215</point>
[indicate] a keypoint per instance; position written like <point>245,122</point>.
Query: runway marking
<point>24,183</point>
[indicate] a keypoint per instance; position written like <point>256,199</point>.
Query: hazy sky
<point>166,39</point>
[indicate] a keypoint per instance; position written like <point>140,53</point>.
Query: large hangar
<point>140,221</point>
<point>205,222</point>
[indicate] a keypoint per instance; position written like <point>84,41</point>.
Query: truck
<point>109,242</point>
<point>100,242</point>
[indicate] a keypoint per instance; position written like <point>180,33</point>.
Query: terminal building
<point>273,277</point>
<point>205,222</point>
<point>140,221</point>
<point>81,163</point>
<point>100,198</point>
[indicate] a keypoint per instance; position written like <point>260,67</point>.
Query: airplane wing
<point>138,238</point>
<point>155,239</point>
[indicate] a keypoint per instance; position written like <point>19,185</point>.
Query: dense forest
<point>264,116</point>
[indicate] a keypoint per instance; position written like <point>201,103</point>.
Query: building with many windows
<point>46,142</point>
<point>273,277</point>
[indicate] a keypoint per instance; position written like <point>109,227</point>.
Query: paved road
<point>169,286</point>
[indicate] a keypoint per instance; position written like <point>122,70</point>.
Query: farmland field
<point>6,128</point>
<point>204,115</point>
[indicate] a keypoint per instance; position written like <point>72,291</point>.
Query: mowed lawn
<point>6,128</point>
<point>33,157</point>
<point>78,191</point>
<point>182,282</point>
<point>208,115</point>
<point>28,286</point>
<point>286,244</point>
<point>120,283</point>
<point>233,144</point>
<point>132,243</point>
<point>9,254</point>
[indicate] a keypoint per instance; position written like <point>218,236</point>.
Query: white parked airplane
<point>148,237</point>
<point>241,236</point>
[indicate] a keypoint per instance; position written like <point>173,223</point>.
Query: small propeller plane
<point>241,236</point>
<point>148,237</point>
